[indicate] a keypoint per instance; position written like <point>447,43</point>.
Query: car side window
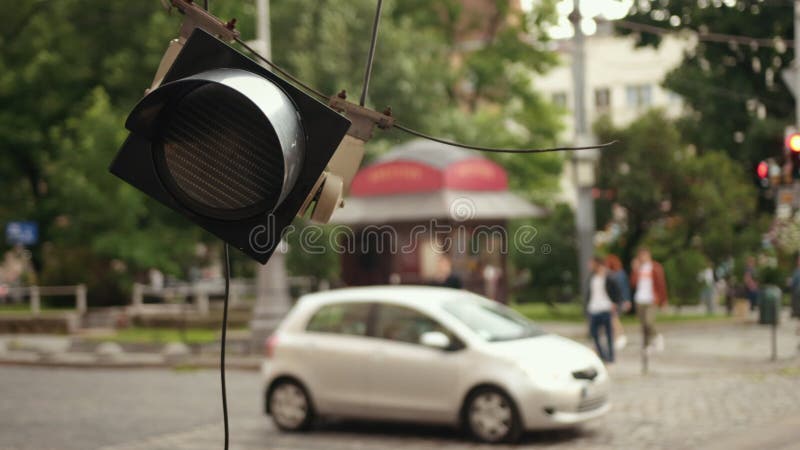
<point>397,323</point>
<point>341,318</point>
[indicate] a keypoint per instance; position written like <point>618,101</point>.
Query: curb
<point>188,363</point>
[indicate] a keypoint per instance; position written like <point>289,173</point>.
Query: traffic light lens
<point>762,170</point>
<point>793,142</point>
<point>219,154</point>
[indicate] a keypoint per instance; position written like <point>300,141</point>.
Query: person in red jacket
<point>650,286</point>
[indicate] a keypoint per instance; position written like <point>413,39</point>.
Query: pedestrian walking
<point>650,293</point>
<point>795,286</point>
<point>617,274</point>
<point>601,300</point>
<point>708,295</point>
<point>750,279</point>
<point>448,277</point>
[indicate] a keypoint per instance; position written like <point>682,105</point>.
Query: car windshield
<point>492,321</point>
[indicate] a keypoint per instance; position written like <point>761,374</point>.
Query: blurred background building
<point>424,201</point>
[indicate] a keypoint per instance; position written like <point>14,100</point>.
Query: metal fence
<point>35,294</point>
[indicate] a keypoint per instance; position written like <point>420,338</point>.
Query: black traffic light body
<point>229,145</point>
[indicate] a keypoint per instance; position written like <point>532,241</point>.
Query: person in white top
<point>651,293</point>
<point>601,302</point>
<point>708,294</point>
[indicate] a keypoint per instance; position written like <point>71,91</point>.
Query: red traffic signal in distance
<point>793,142</point>
<point>762,170</point>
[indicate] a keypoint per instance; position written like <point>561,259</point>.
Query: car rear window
<point>340,318</point>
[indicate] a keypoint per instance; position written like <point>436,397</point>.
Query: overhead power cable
<point>703,36</point>
<point>281,71</point>
<point>495,149</point>
<point>321,96</point>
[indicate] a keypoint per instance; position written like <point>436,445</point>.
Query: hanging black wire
<point>494,149</point>
<point>281,71</point>
<point>222,345</point>
<point>224,337</point>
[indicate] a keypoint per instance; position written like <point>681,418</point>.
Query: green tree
<point>72,69</point>
<point>423,71</point>
<point>676,200</point>
<point>64,92</point>
<point>552,265</point>
<point>644,171</point>
<point>682,270</point>
<point>739,104</point>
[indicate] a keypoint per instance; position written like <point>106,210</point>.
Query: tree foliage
<point>739,103</point>
<point>674,199</point>
<point>71,70</point>
<point>552,267</point>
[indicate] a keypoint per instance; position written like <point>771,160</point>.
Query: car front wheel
<point>492,417</point>
<point>290,406</point>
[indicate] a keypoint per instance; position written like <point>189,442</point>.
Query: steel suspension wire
<point>371,56</point>
<point>367,75</point>
<point>495,149</point>
<point>281,71</point>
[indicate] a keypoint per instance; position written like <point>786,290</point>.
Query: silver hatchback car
<point>427,354</point>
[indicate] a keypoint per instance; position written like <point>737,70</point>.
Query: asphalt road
<point>83,409</point>
<point>710,389</point>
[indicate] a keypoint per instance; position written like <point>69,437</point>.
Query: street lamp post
<point>583,162</point>
<point>273,300</point>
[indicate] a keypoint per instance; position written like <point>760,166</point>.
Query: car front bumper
<point>566,406</point>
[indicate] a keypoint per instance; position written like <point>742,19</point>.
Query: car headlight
<point>546,379</point>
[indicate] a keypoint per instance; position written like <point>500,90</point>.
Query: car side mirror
<point>435,339</point>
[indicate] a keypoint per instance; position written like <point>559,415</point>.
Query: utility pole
<point>273,300</point>
<point>582,162</point>
<point>263,35</point>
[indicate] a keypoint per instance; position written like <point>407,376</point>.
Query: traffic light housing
<point>231,146</point>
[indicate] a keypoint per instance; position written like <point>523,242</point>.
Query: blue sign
<point>24,233</point>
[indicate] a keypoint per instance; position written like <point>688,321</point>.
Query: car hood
<point>550,352</point>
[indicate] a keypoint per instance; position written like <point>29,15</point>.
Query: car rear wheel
<point>290,406</point>
<point>492,417</point>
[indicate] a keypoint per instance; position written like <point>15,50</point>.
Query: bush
<point>682,270</point>
<point>553,265</point>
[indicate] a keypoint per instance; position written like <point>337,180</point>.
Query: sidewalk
<point>690,346</point>
<point>700,346</point>
<point>62,351</point>
<point>782,435</point>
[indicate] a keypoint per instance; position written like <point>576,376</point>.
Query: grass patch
<point>573,312</point>
<point>186,368</point>
<point>23,308</point>
<point>542,312</point>
<point>142,335</point>
<point>790,372</point>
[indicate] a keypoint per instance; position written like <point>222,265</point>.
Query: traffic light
<point>792,142</point>
<point>231,146</point>
<point>762,170</point>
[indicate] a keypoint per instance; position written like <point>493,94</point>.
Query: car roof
<point>420,296</point>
